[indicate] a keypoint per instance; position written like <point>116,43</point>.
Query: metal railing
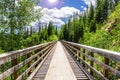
<point>88,57</point>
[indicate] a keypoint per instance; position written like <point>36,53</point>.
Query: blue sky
<point>59,12</point>
<point>75,3</point>
<point>62,3</point>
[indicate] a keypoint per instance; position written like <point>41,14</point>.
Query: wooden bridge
<point>60,61</point>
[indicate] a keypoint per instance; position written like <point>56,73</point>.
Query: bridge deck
<point>59,65</point>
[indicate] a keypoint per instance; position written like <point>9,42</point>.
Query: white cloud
<point>64,12</point>
<point>82,7</point>
<point>88,2</point>
<point>85,9</point>
<point>55,15</point>
<point>45,19</point>
<point>37,7</point>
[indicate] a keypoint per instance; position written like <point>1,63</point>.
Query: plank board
<point>60,68</point>
<point>42,71</point>
<point>79,74</point>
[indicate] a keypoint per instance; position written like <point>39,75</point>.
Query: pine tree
<point>78,33</point>
<point>116,2</point>
<point>50,29</point>
<point>91,14</point>
<point>105,9</point>
<point>98,12</point>
<point>56,31</point>
<point>92,26</point>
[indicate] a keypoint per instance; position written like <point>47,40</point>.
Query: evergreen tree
<point>105,9</point>
<point>78,33</point>
<point>98,14</point>
<point>92,26</point>
<point>50,29</point>
<point>91,14</point>
<point>116,2</point>
<point>56,31</point>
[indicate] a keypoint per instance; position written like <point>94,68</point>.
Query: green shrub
<point>53,37</point>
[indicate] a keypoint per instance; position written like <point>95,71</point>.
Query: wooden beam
<point>84,58</point>
<point>15,74</point>
<point>106,72</point>
<point>91,63</point>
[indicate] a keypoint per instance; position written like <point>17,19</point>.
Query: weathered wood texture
<point>41,71</point>
<point>60,68</point>
<point>58,65</point>
<point>78,71</point>
<point>107,55</point>
<point>34,55</point>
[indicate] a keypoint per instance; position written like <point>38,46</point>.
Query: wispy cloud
<point>88,2</point>
<point>55,15</point>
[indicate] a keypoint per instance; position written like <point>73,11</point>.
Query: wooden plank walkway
<point>59,66</point>
<point>78,72</point>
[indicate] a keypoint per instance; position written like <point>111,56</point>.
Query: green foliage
<point>116,13</point>
<point>72,31</point>
<point>92,26</point>
<point>1,51</point>
<point>102,10</point>
<point>91,14</point>
<point>51,29</point>
<point>14,16</point>
<point>96,28</point>
<point>53,38</point>
<point>116,2</point>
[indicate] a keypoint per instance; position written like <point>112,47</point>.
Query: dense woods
<point>14,17</point>
<point>98,26</point>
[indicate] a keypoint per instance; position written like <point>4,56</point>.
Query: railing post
<point>36,58</point>
<point>79,55</point>
<point>105,71</point>
<point>28,65</point>
<point>40,56</point>
<point>15,74</point>
<point>91,63</point>
<point>84,57</point>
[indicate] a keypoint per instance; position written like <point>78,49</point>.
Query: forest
<point>14,17</point>
<point>97,26</point>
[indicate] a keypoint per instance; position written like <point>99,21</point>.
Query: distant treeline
<point>14,16</point>
<point>83,28</point>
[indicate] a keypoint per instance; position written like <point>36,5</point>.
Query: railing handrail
<point>86,56</point>
<point>31,56</point>
<point>106,53</point>
<point>22,50</point>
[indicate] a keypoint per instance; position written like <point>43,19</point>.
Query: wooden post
<point>36,58</point>
<point>91,63</point>
<point>79,55</point>
<point>84,57</point>
<point>15,74</point>
<point>75,54</point>
<point>28,65</point>
<point>40,56</point>
<point>106,61</point>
